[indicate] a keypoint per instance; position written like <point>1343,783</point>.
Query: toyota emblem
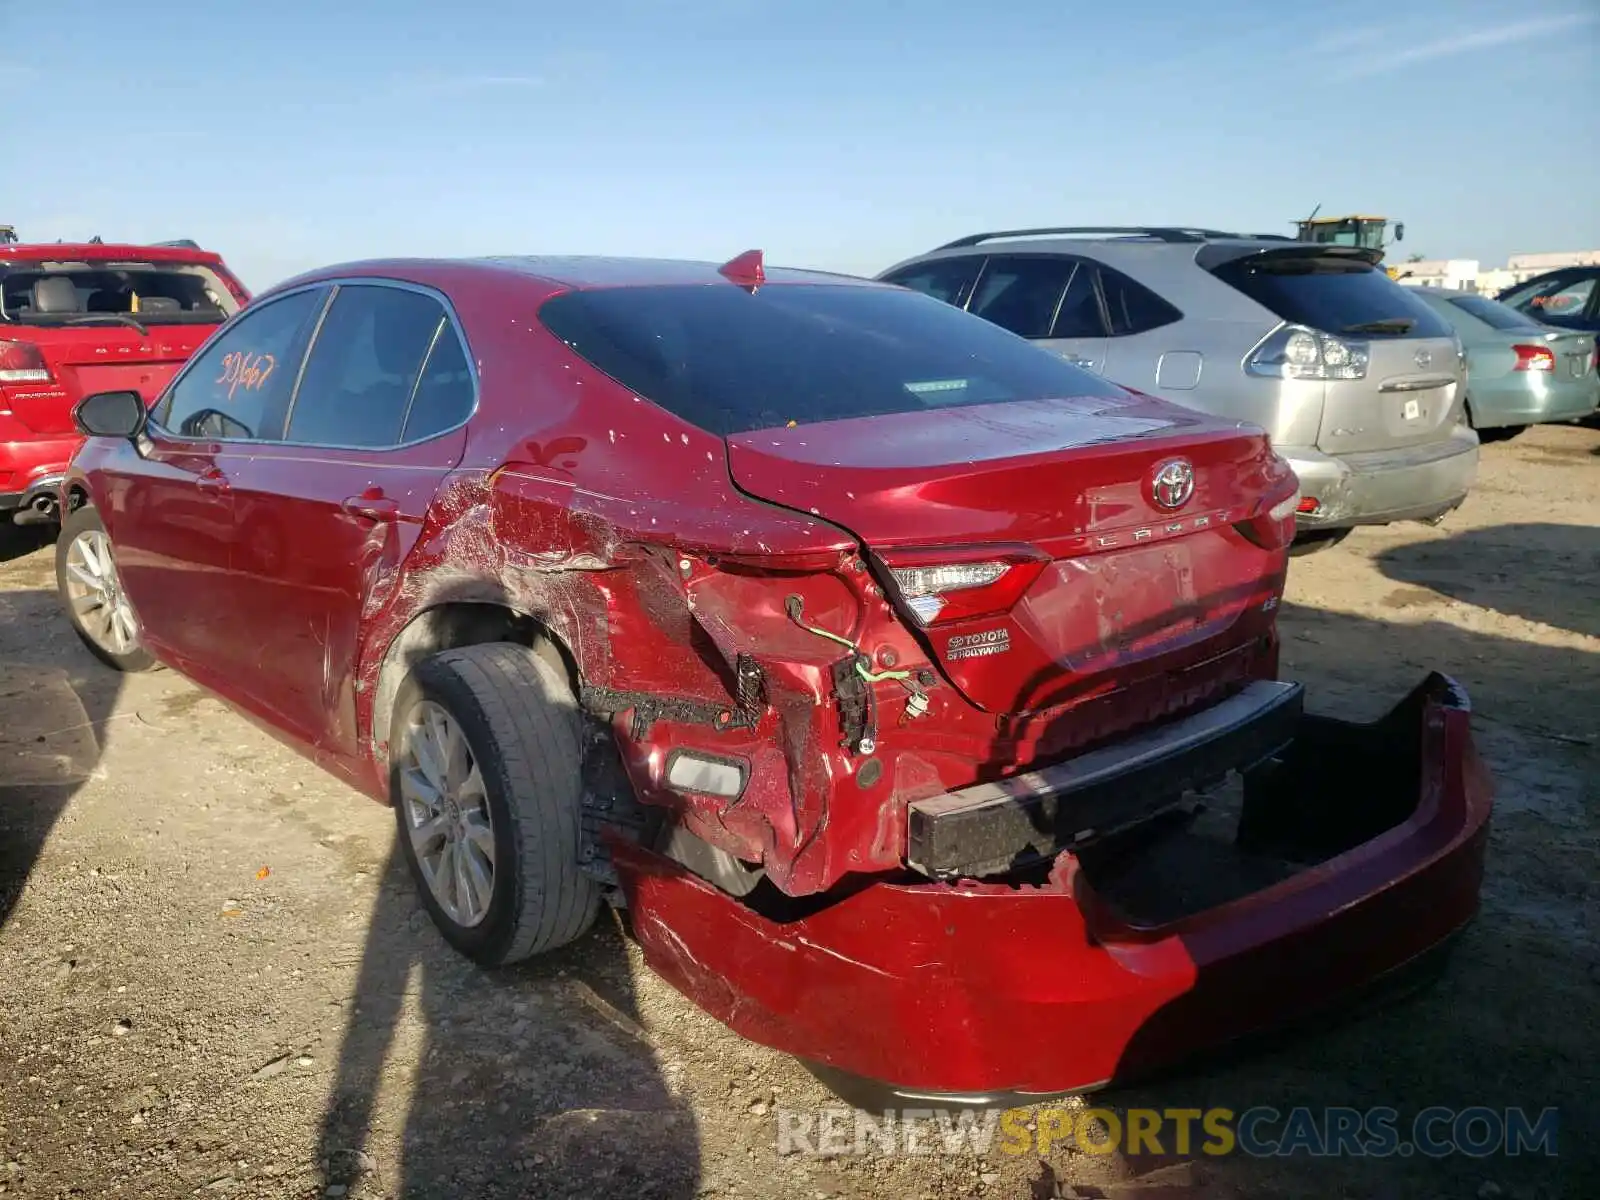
<point>1173,483</point>
<point>1424,359</point>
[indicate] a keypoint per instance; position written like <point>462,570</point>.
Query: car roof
<point>1132,244</point>
<point>105,252</point>
<point>569,272</point>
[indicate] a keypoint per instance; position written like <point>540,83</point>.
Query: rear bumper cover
<point>978,989</point>
<point>1518,403</point>
<point>1417,483</point>
<point>27,466</point>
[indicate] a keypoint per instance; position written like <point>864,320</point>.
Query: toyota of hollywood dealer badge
<point>1173,483</point>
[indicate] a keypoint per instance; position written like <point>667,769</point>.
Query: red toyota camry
<point>914,689</point>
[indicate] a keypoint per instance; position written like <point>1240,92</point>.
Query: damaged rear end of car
<point>946,713</point>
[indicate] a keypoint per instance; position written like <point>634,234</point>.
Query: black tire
<point>525,732</point>
<point>87,520</point>
<point>1316,541</point>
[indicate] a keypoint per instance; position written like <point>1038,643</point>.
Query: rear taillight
<point>1295,352</point>
<point>21,362</point>
<point>1534,358</point>
<point>964,583</point>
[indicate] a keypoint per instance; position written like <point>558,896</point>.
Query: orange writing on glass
<point>243,370</point>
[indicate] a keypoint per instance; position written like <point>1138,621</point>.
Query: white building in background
<point>1526,266</point>
<point>1496,280</point>
<point>1458,273</point>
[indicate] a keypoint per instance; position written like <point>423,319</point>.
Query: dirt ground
<point>214,978</point>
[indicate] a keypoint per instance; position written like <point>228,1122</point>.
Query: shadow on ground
<point>16,541</point>
<point>55,700</point>
<point>1499,567</point>
<point>535,1081</point>
<point>532,1082</point>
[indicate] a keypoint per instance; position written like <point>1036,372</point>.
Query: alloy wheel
<point>447,813</point>
<point>95,593</point>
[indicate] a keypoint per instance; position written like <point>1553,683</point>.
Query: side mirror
<point>1399,231</point>
<point>111,414</point>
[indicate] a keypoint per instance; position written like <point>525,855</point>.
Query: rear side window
<point>1022,294</point>
<point>1333,294</point>
<point>1493,313</point>
<point>1079,314</point>
<point>947,279</point>
<point>81,293</point>
<point>729,361</point>
<point>1132,307</point>
<point>445,394</point>
<point>238,387</point>
<point>366,366</point>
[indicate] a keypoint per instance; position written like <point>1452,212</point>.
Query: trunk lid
<point>1408,397</point>
<point>1575,354</point>
<point>1125,588</point>
<point>84,359</point>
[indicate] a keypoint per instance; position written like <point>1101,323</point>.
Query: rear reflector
<point>1534,358</point>
<point>21,362</point>
<point>953,590</point>
<point>710,776</point>
<point>1308,504</point>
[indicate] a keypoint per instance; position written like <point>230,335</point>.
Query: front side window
<point>947,279</point>
<point>1551,297</point>
<point>730,362</point>
<point>239,386</point>
<point>366,365</point>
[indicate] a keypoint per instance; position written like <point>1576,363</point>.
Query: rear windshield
<point>1335,295</point>
<point>729,361</point>
<point>79,293</point>
<point>1493,313</point>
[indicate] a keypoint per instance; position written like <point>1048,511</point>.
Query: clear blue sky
<point>835,133</point>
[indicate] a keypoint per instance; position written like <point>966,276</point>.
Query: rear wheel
<point>486,757</point>
<point>86,577</point>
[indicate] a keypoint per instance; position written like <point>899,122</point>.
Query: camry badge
<point>1173,483</point>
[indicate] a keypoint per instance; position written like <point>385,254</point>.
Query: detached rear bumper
<point>1104,971</point>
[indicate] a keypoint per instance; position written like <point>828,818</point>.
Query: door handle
<point>212,480</point>
<point>372,505</point>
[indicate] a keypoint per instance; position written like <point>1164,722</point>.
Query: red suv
<point>872,657</point>
<point>77,318</point>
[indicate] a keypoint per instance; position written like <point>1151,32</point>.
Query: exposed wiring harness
<point>862,665</point>
<point>796,607</point>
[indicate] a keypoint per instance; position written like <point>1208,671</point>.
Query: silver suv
<point>1360,384</point>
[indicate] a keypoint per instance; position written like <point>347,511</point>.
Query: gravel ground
<point>214,978</point>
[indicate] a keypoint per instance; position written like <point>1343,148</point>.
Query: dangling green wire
<point>794,607</point>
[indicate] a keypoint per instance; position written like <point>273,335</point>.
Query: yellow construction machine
<point>1367,231</point>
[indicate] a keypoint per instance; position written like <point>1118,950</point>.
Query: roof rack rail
<point>1163,233</point>
<point>180,244</point>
